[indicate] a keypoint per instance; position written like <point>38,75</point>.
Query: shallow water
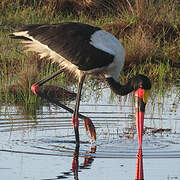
<point>44,148</point>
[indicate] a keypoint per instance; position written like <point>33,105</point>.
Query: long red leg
<point>88,123</point>
<point>75,119</point>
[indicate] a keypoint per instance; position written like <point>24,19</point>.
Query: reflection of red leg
<point>89,159</point>
<point>139,165</point>
<point>75,164</point>
<point>86,161</point>
<point>140,125</point>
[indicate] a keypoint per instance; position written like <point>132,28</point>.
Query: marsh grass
<point>148,30</point>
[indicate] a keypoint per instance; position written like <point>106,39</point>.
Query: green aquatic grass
<point>148,55</point>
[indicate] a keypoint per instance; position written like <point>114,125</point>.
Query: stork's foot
<point>35,88</point>
<point>90,127</point>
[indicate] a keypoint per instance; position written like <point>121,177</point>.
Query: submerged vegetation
<point>149,31</point>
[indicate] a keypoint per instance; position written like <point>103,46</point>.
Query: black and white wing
<point>67,43</point>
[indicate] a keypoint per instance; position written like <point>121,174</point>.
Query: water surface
<point>42,146</point>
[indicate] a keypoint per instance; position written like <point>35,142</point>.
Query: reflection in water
<point>88,160</point>
<point>139,165</point>
<point>86,164</point>
<point>50,136</point>
<point>139,175</point>
<point>75,163</point>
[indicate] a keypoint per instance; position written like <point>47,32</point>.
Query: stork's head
<point>142,85</point>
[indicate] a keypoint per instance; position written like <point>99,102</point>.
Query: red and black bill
<point>141,96</point>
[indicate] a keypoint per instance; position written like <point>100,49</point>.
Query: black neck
<point>118,88</point>
<point>137,81</point>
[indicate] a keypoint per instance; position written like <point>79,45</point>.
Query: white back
<point>110,44</point>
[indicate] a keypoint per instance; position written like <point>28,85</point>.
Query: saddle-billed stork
<point>83,49</point>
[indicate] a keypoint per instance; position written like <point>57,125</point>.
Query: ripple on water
<point>51,132</point>
<point>107,146</point>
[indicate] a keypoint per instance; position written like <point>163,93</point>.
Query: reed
<point>149,31</point>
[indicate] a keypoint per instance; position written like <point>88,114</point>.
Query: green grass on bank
<point>149,33</point>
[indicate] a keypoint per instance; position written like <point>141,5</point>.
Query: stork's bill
<point>141,97</point>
